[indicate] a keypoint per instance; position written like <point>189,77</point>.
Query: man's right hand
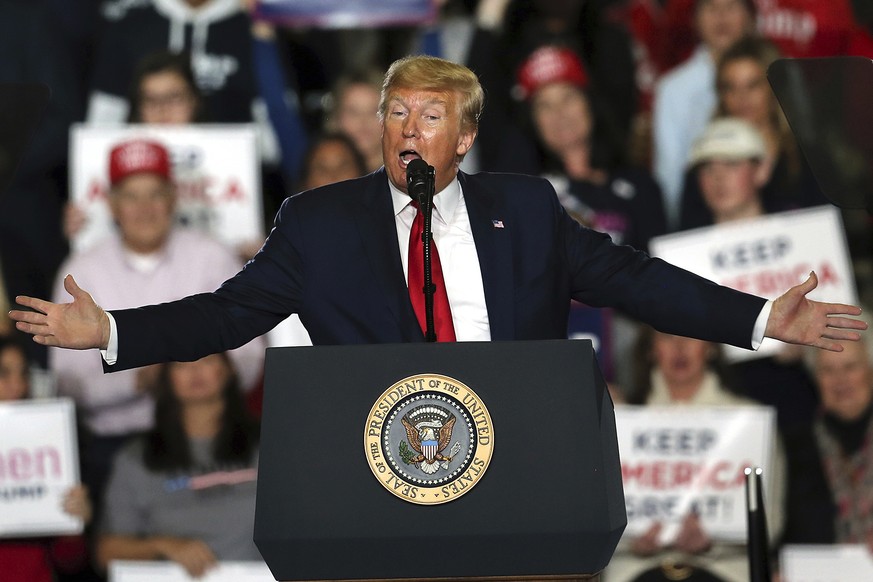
<point>79,325</point>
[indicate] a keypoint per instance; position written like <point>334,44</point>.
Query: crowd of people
<point>639,132</point>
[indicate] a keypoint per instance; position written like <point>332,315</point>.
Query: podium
<point>349,490</point>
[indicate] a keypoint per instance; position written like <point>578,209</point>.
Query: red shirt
<point>35,560</point>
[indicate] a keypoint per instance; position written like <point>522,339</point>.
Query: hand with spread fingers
<point>79,325</point>
<point>797,320</point>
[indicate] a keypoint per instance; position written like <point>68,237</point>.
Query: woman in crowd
<point>38,559</point>
<point>186,491</point>
<point>743,92</point>
<point>582,156</point>
<point>678,371</point>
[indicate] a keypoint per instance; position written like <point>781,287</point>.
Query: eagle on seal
<point>424,441</point>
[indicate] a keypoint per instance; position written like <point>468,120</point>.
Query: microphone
<point>418,173</point>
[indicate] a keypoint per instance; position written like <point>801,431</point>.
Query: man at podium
<point>506,262</point>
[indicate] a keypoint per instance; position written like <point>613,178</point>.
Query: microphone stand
<point>425,205</point>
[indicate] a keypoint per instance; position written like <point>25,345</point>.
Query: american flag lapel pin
<point>497,223</point>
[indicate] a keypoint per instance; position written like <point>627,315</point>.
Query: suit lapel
<point>494,248</point>
<point>378,235</point>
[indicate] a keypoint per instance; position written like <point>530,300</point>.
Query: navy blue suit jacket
<point>333,258</point>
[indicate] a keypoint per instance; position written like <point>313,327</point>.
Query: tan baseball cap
<point>727,138</point>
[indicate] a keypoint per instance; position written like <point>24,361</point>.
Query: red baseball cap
<point>138,156</point>
<point>550,64</point>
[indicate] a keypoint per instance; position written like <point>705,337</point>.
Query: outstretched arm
<point>79,325</point>
<point>798,320</point>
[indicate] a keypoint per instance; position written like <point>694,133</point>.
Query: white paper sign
<point>675,459</point>
<point>836,563</point>
<point>39,464</point>
<point>215,168</point>
<point>766,256</point>
<point>130,571</point>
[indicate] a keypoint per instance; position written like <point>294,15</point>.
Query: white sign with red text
<point>766,256</point>
<point>681,459</point>
<point>39,464</point>
<point>133,571</point>
<point>215,168</point>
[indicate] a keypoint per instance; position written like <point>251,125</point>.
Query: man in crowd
<point>147,258</point>
<point>511,261</point>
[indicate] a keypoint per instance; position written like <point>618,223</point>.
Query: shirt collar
<point>444,202</point>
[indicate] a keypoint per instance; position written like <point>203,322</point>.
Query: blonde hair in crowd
<point>435,74</point>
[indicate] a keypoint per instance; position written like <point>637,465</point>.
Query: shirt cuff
<point>110,354</point>
<point>760,325</point>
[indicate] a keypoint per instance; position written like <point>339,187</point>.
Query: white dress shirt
<point>453,237</point>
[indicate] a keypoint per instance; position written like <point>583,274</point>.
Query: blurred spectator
<point>216,34</point>
<point>743,92</point>
<point>727,161</point>
<point>685,97</point>
<point>678,371</point>
<point>604,46</point>
<point>31,243</point>
<point>353,110</point>
<point>803,29</point>
<point>163,91</point>
<point>800,28</point>
<point>581,151</point>
<point>581,158</point>
<point>236,66</point>
<point>332,158</point>
<point>148,259</point>
<point>38,559</point>
<point>186,490</point>
<point>829,500</point>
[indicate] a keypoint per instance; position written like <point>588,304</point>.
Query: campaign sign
<point>826,563</point>
<point>346,13</point>
<point>679,459</point>
<point>133,571</point>
<point>215,168</point>
<point>766,256</point>
<point>39,464</point>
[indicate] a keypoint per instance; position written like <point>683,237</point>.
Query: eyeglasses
<point>158,100</point>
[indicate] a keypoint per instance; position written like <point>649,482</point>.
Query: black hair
<point>644,363</point>
<point>167,445</point>
<point>332,136</point>
<point>164,62</point>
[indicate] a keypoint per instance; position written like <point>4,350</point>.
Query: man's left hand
<point>797,320</point>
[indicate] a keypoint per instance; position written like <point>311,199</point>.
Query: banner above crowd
<point>346,13</point>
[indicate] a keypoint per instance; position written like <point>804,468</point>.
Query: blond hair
<point>434,74</point>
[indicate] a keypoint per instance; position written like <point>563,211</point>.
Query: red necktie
<point>442,313</point>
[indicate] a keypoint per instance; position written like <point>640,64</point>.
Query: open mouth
<point>407,156</point>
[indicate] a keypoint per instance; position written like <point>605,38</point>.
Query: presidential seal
<point>428,439</point>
